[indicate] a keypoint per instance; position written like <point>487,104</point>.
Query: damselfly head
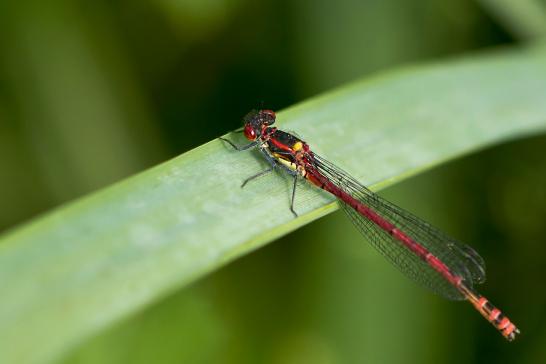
<point>267,116</point>
<point>256,121</point>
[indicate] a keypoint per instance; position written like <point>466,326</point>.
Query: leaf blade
<point>85,265</point>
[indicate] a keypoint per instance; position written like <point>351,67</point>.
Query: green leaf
<point>87,264</point>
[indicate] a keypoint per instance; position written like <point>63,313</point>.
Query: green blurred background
<point>91,92</point>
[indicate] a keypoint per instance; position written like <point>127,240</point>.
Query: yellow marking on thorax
<point>291,165</point>
<point>286,162</point>
<point>297,146</point>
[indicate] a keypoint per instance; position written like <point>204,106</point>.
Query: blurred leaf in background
<point>91,92</point>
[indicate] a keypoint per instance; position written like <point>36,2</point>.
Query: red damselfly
<point>419,250</point>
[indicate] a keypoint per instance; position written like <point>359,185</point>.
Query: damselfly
<point>419,250</point>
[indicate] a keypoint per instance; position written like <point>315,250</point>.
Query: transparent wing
<point>461,259</point>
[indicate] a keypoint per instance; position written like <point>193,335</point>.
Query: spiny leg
<point>244,147</point>
<point>294,174</point>
<point>270,169</point>
<point>272,165</point>
<point>294,194</point>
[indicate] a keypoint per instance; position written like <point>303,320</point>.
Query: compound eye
<point>249,132</point>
